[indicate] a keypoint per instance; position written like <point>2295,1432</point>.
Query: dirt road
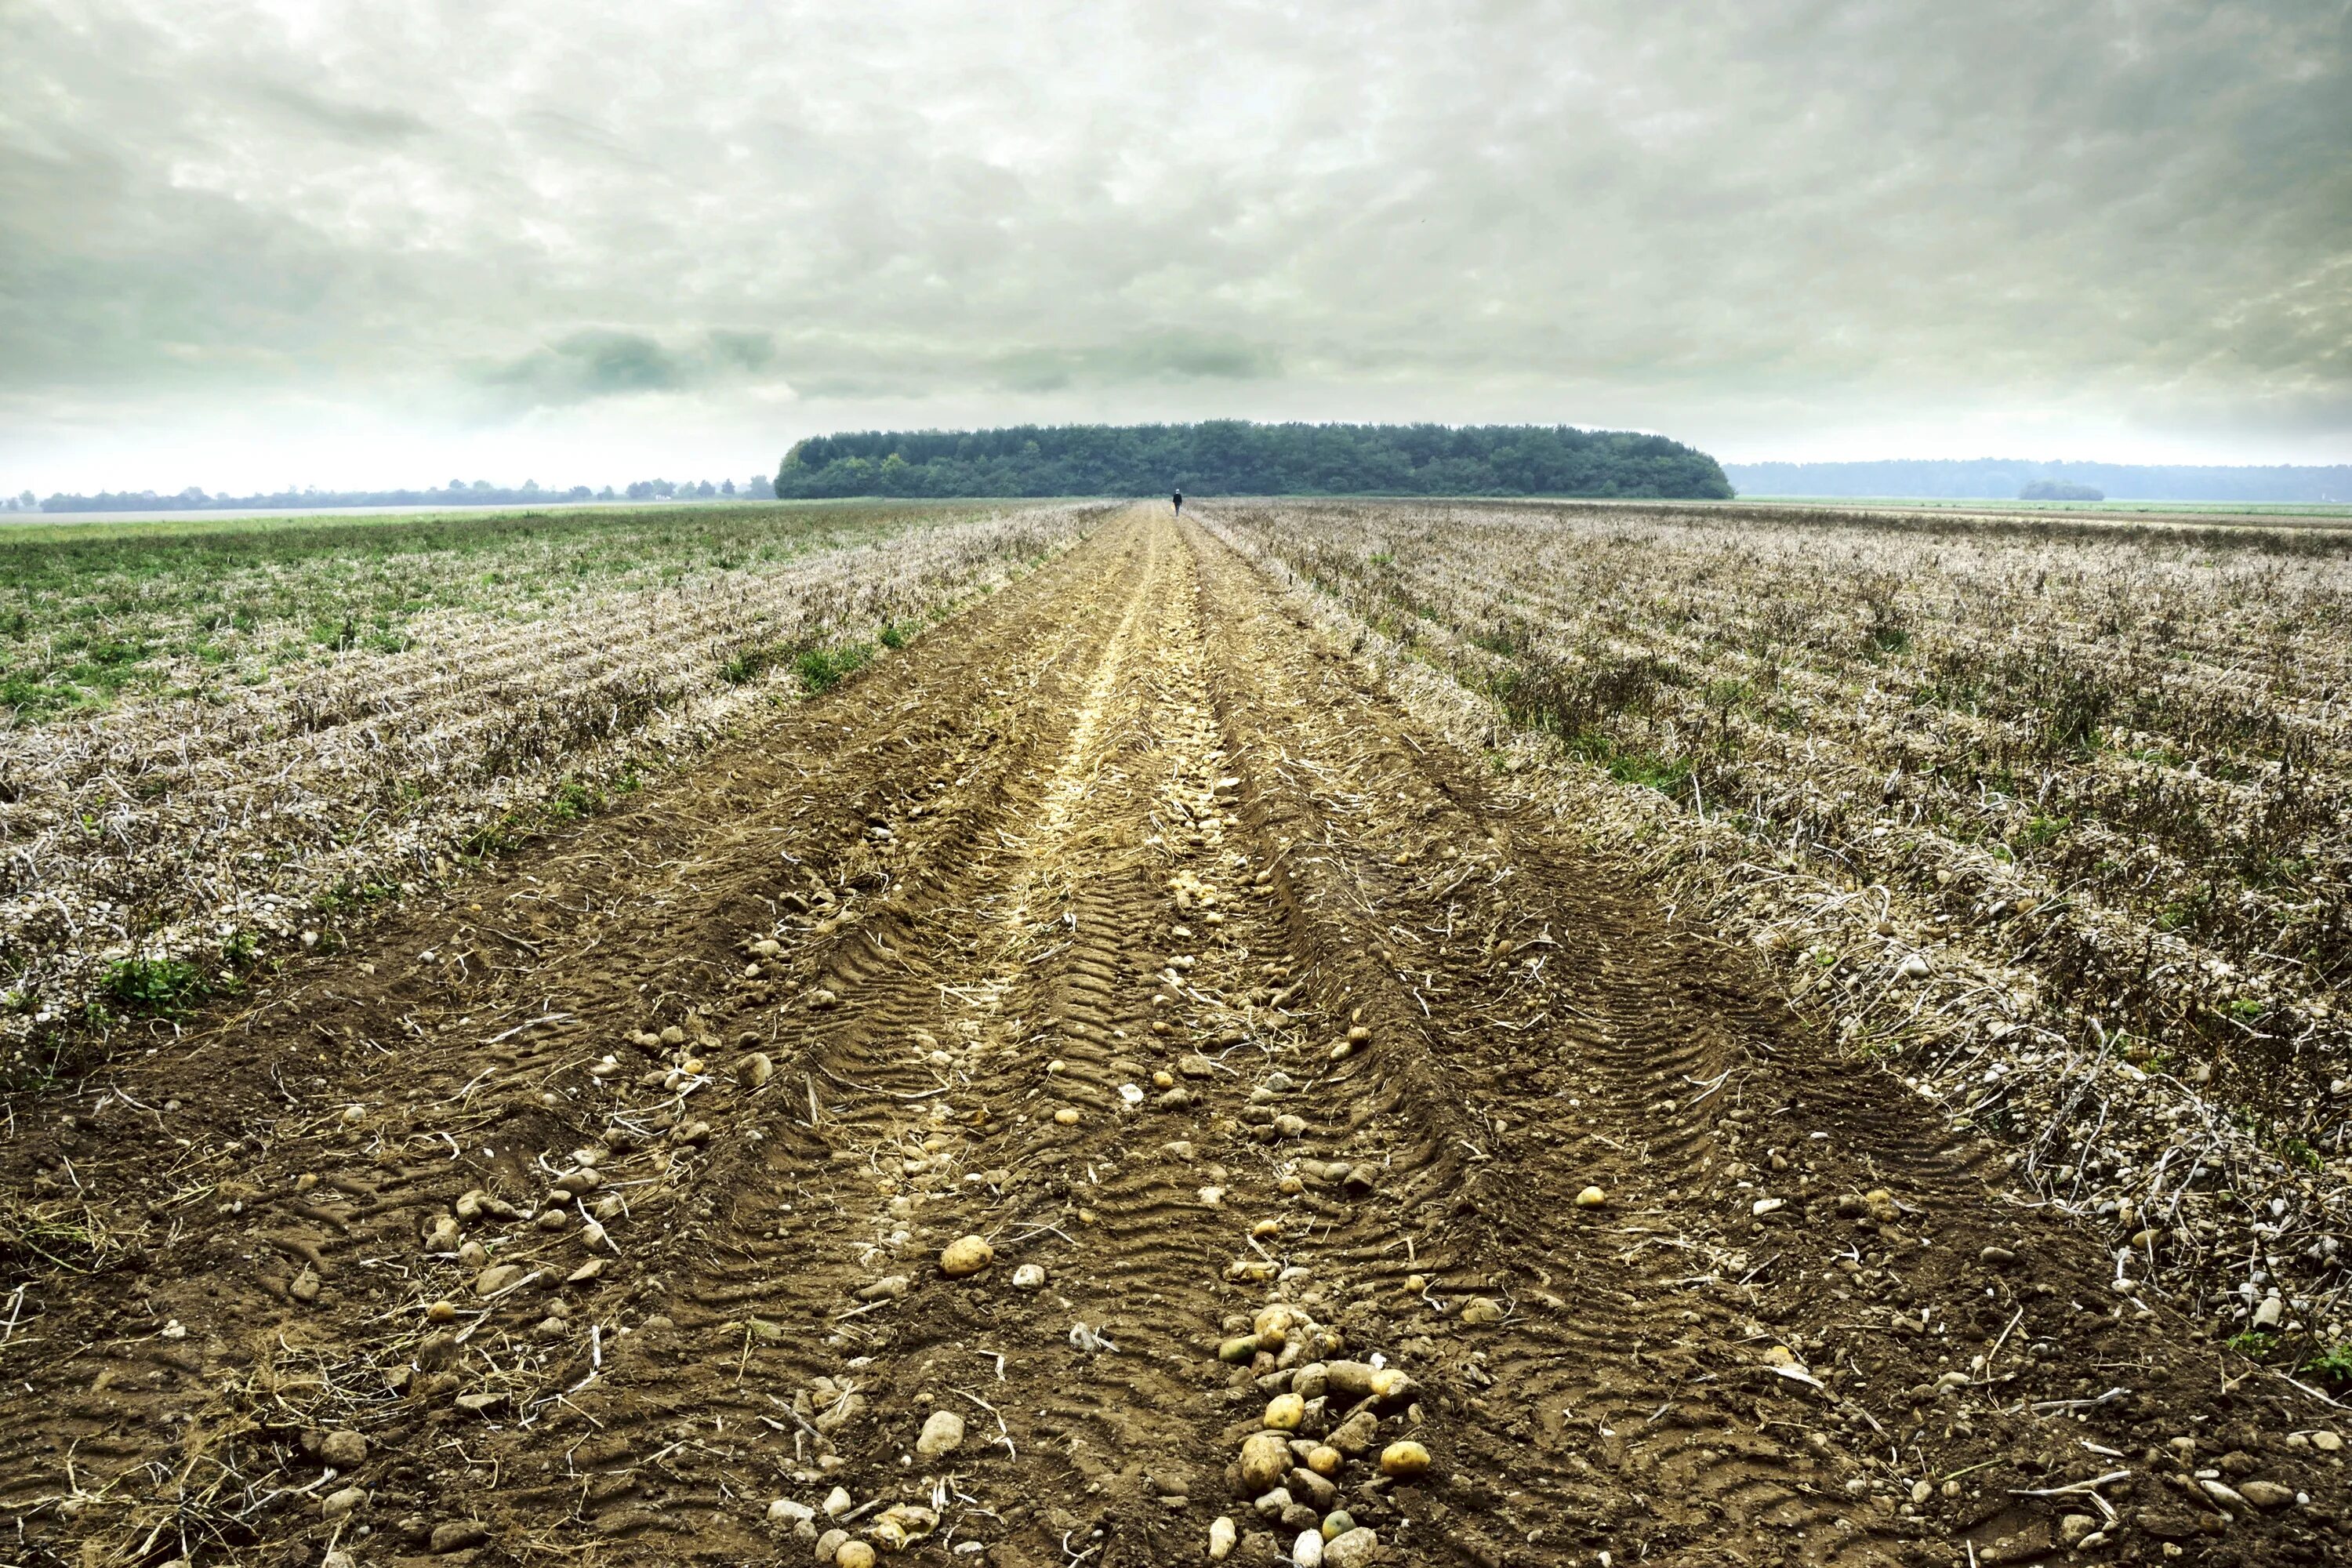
<point>1124,924</point>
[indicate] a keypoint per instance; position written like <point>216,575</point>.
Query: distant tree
<point>727,487</point>
<point>2060,489</point>
<point>1235,457</point>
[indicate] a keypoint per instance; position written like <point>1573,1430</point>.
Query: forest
<point>1236,458</point>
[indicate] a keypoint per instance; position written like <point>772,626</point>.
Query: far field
<point>1513,1033</point>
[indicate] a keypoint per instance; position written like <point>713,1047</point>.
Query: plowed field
<point>597,1214</point>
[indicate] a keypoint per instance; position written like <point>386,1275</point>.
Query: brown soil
<point>1128,818</point>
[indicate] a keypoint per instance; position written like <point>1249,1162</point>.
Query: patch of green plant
<point>893,637</point>
<point>160,985</point>
<point>2256,1343</point>
<point>822,669</point>
<point>2042,831</point>
<point>2333,1363</point>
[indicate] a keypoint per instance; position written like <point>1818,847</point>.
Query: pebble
<point>830,1542</point>
<point>1352,1550</point>
<point>967,1254</point>
<point>822,998</point>
<point>1266,1460</point>
<point>586,1271</point>
<point>1479,1310</point>
<point>473,1255</point>
<point>1220,1539</point>
<point>1590,1198</point>
<point>497,1277</point>
<point>1405,1460</point>
<point>305,1287</point>
<point>784,1510</point>
<point>458,1534</point>
<point>1308,1551</point>
<point>754,1069</point>
<point>2266,1494</point>
<point>2326,1442</point>
<point>1029,1277</point>
<point>338,1504</point>
<point>942,1434</point>
<point>343,1449</point>
<point>836,1502</point>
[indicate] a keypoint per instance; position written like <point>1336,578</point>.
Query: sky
<point>253,243</point>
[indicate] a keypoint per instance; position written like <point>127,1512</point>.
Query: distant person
<point>1180,503</point>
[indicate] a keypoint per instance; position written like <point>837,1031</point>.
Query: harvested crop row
<point>154,849</point>
<point>2055,823</point>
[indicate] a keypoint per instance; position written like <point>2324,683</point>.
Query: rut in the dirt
<point>1125,924</point>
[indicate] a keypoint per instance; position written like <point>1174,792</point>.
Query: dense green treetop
<point>1229,457</point>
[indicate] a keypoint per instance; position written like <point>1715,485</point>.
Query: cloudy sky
<point>254,242</point>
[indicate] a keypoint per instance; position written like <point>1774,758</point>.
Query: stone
<point>942,1434</point>
<point>830,1542</point>
<point>2074,1526</point>
<point>497,1277</point>
<point>340,1504</point>
<point>785,1512</point>
<point>836,1502</point>
<point>2266,1494</point>
<point>1314,1491</point>
<point>1265,1459</point>
<point>1352,1550</point>
<point>1405,1460</point>
<point>1307,1552</point>
<point>1029,1277</point>
<point>1222,1535</point>
<point>2326,1442</point>
<point>1355,1434</point>
<point>968,1255</point>
<point>343,1449</point>
<point>456,1534</point>
<point>1480,1310</point>
<point>305,1287</point>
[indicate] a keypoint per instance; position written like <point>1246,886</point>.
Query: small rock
<point>340,1504</point>
<point>836,1502</point>
<point>305,1287</point>
<point>1307,1552</point>
<point>2266,1314</point>
<point>968,1255</point>
<point>1479,1310</point>
<point>497,1277</point>
<point>891,1288</point>
<point>343,1449</point>
<point>830,1542</point>
<point>1590,1198</point>
<point>585,1272</point>
<point>2075,1527</point>
<point>1357,1434</point>
<point>1315,1491</point>
<point>457,1534</point>
<point>784,1510</point>
<point>1352,1550</point>
<point>942,1434</point>
<point>1029,1277</point>
<point>2266,1494</point>
<point>1220,1539</point>
<point>1997,1257</point>
<point>2326,1442</point>
<point>822,998</point>
<point>1405,1460</point>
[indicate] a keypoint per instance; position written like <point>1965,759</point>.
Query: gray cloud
<point>1765,225</point>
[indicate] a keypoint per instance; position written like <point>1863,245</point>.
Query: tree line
<point>456,493</point>
<point>1229,457</point>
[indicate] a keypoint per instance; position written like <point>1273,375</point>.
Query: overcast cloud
<point>247,243</point>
